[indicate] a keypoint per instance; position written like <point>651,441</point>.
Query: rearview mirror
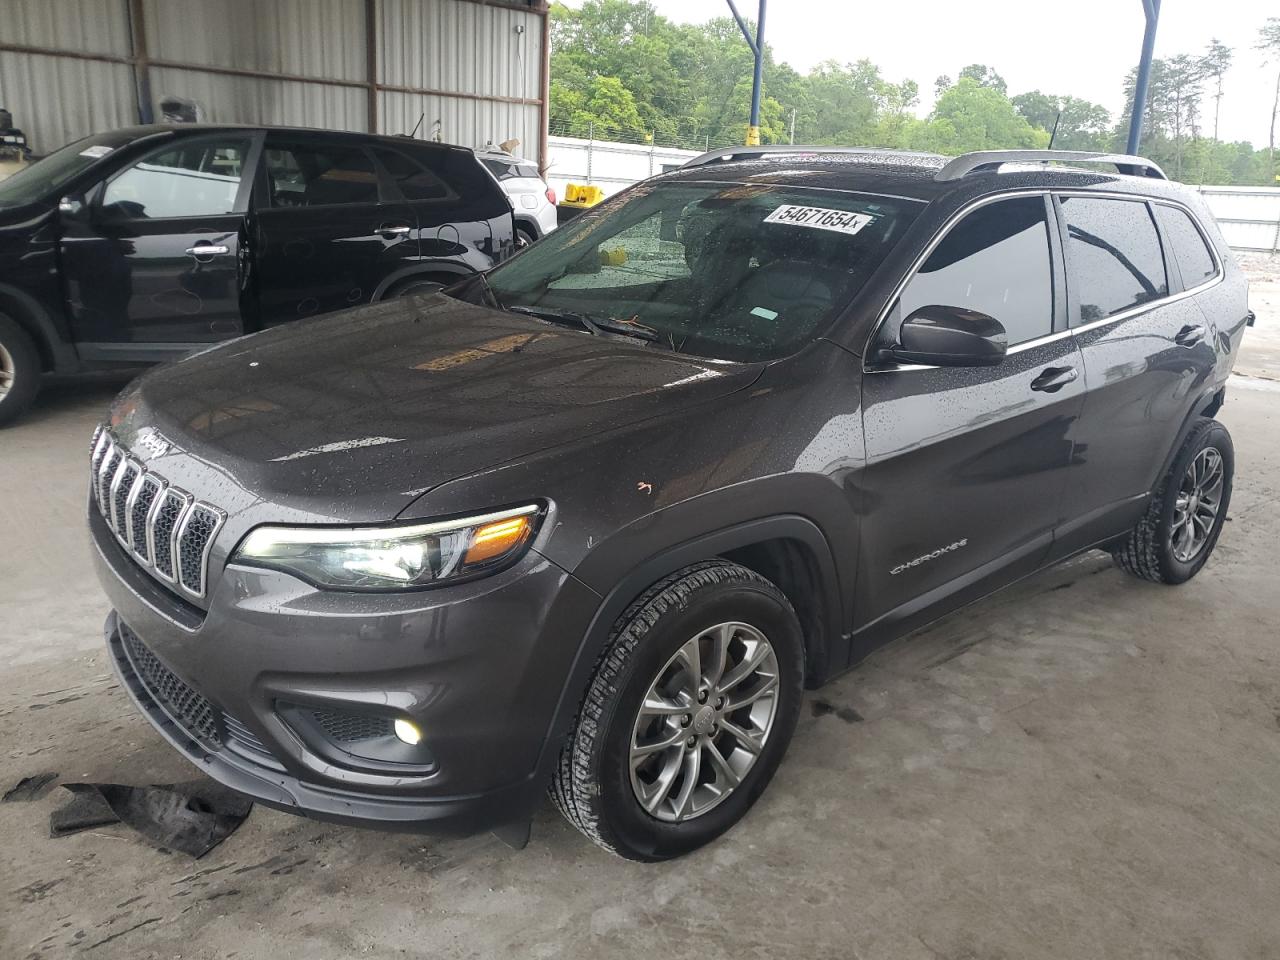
<point>72,206</point>
<point>943,336</point>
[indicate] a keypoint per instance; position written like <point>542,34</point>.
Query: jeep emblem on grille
<point>152,441</point>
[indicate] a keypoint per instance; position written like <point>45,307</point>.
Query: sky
<point>1083,48</point>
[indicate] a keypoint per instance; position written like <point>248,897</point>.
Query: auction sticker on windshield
<point>819,218</point>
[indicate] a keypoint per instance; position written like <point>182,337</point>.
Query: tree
<point>984,76</point>
<point>1269,44</point>
<point>1215,62</point>
<point>1081,125</point>
<point>974,116</point>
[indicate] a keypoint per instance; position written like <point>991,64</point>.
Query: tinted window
<point>1193,256</point>
<point>507,169</point>
<point>995,261</point>
<point>306,175</point>
<point>198,179</point>
<point>1113,255</point>
<point>727,270</point>
<point>415,181</point>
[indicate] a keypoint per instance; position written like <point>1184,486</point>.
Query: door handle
<point>1189,335</point>
<point>208,250</point>
<point>1054,379</point>
<point>393,229</point>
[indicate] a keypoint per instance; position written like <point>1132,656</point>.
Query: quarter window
<point>1194,259</point>
<point>1114,258</point>
<point>415,181</point>
<point>995,261</point>
<point>199,179</point>
<point>320,175</point>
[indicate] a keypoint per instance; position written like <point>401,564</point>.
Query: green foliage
<point>620,70</point>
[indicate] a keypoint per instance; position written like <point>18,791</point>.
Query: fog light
<point>408,731</point>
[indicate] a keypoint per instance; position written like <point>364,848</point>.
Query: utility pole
<point>757,48</point>
<point>793,126</point>
<point>1152,9</point>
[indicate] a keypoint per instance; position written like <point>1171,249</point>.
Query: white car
<point>533,202</point>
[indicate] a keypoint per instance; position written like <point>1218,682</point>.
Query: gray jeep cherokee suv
<point>593,520</point>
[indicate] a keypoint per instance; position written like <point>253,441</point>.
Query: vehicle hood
<point>351,417</point>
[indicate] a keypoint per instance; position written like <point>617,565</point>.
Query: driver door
<point>157,262</point>
<point>967,466</point>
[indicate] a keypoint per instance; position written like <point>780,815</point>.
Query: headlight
<point>382,558</point>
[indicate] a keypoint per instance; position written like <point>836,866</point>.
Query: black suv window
<point>312,175</point>
<point>192,179</point>
<point>995,261</point>
<point>508,169</point>
<point>415,181</point>
<point>1189,247</point>
<point>1114,258</point>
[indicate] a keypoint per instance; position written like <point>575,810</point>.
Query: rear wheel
<point>1175,537</point>
<point>20,370</point>
<point>524,237</point>
<point>688,715</point>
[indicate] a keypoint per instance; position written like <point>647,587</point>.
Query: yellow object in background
<point>581,195</point>
<point>613,258</point>
<point>753,137</point>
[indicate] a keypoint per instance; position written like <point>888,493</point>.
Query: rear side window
<point>316,175</point>
<point>415,181</point>
<point>1189,248</point>
<point>456,168</point>
<point>1113,256</point>
<point>995,261</point>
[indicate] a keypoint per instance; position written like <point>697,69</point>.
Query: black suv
<point>147,243</point>
<point>592,520</point>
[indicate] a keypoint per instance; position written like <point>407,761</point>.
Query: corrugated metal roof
<point>86,26</point>
<point>471,123</point>
<point>55,100</point>
<point>313,38</point>
<point>460,47</point>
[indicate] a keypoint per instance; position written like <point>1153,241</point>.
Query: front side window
<point>1113,256</point>
<point>317,175</point>
<point>41,180</point>
<point>190,179</point>
<point>735,271</point>
<point>995,261</point>
<point>1189,248</point>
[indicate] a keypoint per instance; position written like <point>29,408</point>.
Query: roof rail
<point>785,149</point>
<point>991,159</point>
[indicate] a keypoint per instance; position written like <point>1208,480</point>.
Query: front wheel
<point>20,371</point>
<point>1176,535</point>
<point>691,708</point>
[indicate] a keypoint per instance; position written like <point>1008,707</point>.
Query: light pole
<point>757,48</point>
<point>1152,9</point>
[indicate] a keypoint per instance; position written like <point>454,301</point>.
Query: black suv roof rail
<point>725,154</point>
<point>981,160</point>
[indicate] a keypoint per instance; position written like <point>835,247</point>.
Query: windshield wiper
<point>563,317</point>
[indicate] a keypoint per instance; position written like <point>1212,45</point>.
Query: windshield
<point>729,271</point>
<point>44,177</point>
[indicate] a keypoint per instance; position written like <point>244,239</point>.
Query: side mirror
<point>943,336</point>
<point>72,206</point>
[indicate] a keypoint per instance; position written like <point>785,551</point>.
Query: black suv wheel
<point>19,369</point>
<point>688,715</point>
<point>1181,526</point>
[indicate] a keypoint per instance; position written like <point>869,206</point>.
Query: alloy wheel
<point>6,371</point>
<point>704,721</point>
<point>1195,510</point>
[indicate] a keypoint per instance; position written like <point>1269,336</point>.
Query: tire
<point>20,370</point>
<point>1157,548</point>
<point>524,237</point>
<point>595,786</point>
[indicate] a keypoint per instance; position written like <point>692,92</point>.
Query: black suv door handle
<point>1189,335</point>
<point>1054,379</point>
<point>205,249</point>
<point>390,230</point>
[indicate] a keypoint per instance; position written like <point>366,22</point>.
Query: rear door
<point>329,228</point>
<point>463,218</point>
<point>158,262</point>
<point>966,466</point>
<point>1147,353</point>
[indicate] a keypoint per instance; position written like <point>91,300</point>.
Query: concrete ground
<point>1082,766</point>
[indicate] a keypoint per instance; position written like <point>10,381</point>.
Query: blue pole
<point>1152,10</point>
<point>753,131</point>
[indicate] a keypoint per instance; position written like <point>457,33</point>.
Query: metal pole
<point>756,44</point>
<point>1152,10</point>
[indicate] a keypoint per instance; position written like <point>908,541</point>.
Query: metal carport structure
<point>473,71</point>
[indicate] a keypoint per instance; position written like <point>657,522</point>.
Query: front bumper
<point>480,667</point>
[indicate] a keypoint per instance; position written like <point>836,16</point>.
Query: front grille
<point>187,707</point>
<point>165,529</point>
<point>343,727</point>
